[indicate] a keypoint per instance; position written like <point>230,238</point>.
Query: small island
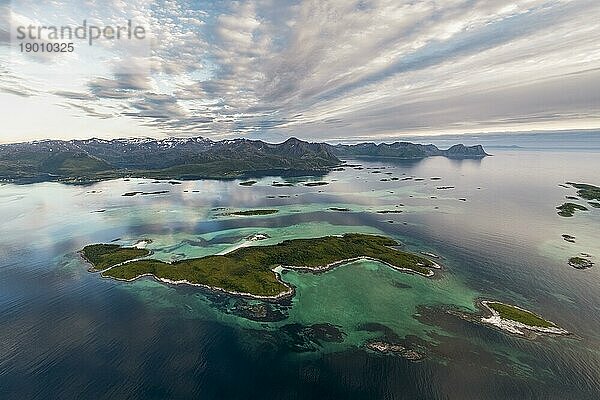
<point>254,271</point>
<point>131,194</point>
<point>568,209</point>
<point>279,184</point>
<point>580,263</point>
<point>586,191</point>
<point>316,183</point>
<point>387,348</point>
<point>516,320</point>
<point>246,213</point>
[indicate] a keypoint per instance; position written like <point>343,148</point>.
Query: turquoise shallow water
<point>65,332</point>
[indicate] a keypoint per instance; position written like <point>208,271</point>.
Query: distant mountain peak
<point>408,150</point>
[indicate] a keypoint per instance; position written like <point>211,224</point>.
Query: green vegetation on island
<point>516,314</point>
<point>568,209</point>
<point>247,183</point>
<point>103,256</point>
<point>249,270</point>
<point>586,191</point>
<point>580,262</point>
<point>246,213</point>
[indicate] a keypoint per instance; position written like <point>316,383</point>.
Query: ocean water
<point>68,333</point>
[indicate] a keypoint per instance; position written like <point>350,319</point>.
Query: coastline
<point>288,294</point>
<point>493,318</point>
<point>285,295</point>
<point>330,266</point>
<point>92,269</point>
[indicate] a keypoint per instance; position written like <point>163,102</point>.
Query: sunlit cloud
<point>322,70</point>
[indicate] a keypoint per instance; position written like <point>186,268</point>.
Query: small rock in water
<point>394,349</point>
<point>258,236</point>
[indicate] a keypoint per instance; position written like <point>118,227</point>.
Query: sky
<point>331,70</point>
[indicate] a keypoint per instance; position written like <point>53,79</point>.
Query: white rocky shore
<point>515,327</point>
<point>327,267</point>
<point>141,244</point>
<point>289,292</point>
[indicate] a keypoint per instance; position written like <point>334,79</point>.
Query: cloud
<point>338,68</point>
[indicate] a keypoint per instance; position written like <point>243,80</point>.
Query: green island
<point>246,213</point>
<point>568,209</point>
<point>103,256</point>
<point>518,321</point>
<point>250,270</point>
<point>516,314</point>
<point>586,191</point>
<point>580,262</point>
<point>569,238</point>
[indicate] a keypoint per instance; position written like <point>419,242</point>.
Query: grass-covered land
<point>516,314</point>
<point>253,212</point>
<point>586,191</point>
<point>103,256</point>
<point>580,263</point>
<point>250,269</point>
<point>568,209</point>
<point>594,204</point>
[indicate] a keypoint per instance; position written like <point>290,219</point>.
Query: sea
<point>67,333</point>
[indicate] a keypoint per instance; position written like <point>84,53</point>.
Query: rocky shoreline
<point>493,318</point>
<point>328,267</point>
<point>286,295</point>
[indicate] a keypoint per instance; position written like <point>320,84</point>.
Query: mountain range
<point>191,158</point>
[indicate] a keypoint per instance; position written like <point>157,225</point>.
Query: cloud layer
<point>328,70</point>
